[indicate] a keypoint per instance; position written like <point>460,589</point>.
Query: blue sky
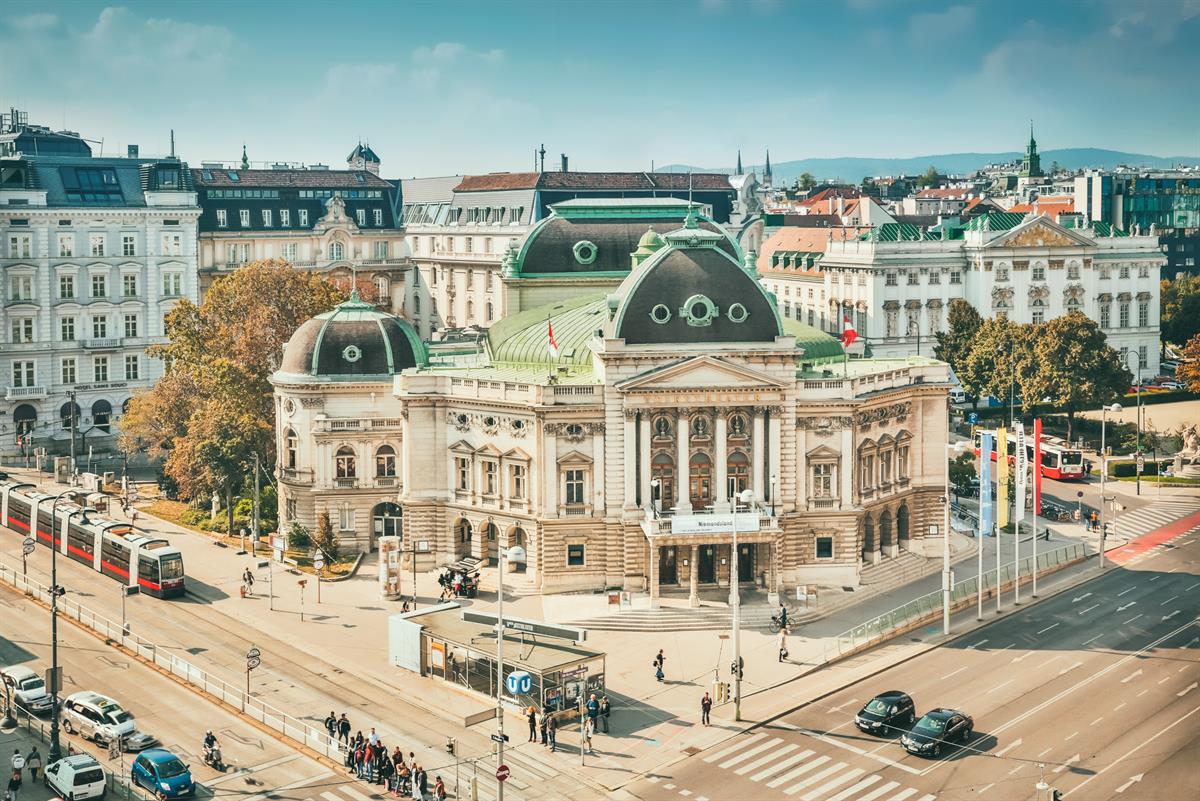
<point>447,87</point>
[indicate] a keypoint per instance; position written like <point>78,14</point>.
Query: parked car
<point>886,713</point>
<point>1172,385</point>
<point>162,773</point>
<point>958,395</point>
<point>100,718</point>
<point>27,688</point>
<point>76,777</point>
<point>935,730</point>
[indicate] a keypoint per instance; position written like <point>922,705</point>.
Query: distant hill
<point>853,169</point>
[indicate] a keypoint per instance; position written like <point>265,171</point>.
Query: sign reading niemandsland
<point>720,523</point>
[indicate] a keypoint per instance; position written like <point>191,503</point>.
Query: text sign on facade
<point>747,523</point>
<point>527,626</point>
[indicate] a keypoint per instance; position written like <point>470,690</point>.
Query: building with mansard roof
<point>639,380</point>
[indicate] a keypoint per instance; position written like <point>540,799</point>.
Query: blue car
<point>162,773</point>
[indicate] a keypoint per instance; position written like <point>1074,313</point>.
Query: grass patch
<point>303,560</point>
<point>1168,480</point>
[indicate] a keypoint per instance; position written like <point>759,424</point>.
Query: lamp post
<point>914,324</point>
<point>500,552</point>
<point>947,586</point>
<point>1114,408</point>
<point>746,496</point>
<point>1137,472</point>
<point>55,752</point>
<point>774,481</point>
<point>8,722</point>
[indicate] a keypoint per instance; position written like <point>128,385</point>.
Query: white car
<point>27,688</point>
<point>76,777</point>
<point>97,717</point>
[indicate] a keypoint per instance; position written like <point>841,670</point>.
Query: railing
<point>360,424</point>
<point>297,475</point>
<point>215,687</point>
<point>345,482</point>
<point>930,605</point>
<point>102,343</point>
<point>385,481</point>
<point>25,392</point>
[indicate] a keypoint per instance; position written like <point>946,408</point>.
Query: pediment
<point>823,452</point>
<point>517,454</point>
<point>488,450</point>
<point>1040,232</point>
<point>574,457</point>
<point>701,372</point>
<point>462,446</point>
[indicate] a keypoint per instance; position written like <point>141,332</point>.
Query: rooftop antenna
<point>542,158</point>
<point>172,143</point>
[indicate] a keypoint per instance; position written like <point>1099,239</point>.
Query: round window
<point>574,430</point>
<point>737,313</point>
<point>518,424</point>
<point>462,419</point>
<point>660,314</point>
<point>289,406</point>
<point>489,421</point>
<point>698,310</point>
<point>585,252</point>
<point>352,353</point>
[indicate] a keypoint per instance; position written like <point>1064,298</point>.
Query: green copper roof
<point>523,338</point>
<point>816,343</point>
<point>1107,229</point>
<point>998,221</point>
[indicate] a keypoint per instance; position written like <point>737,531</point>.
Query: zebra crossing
<point>1136,522</point>
<point>793,771</point>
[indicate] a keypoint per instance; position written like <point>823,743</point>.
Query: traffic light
<point>737,669</point>
<point>1056,795</point>
<point>451,746</point>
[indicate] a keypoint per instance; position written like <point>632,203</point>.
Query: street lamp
<point>774,481</point>
<point>914,324</point>
<point>955,449</point>
<point>1114,408</point>
<point>1137,473</point>
<point>55,752</point>
<point>746,496</point>
<point>8,723</point>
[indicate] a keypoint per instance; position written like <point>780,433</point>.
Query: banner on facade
<point>747,523</point>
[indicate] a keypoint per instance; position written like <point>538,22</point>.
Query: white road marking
<point>855,749</point>
<point>1090,608</point>
<point>986,787</point>
<point>1048,750</point>
<point>1155,578</point>
<point>1143,692</point>
<point>1172,598</point>
<point>1168,617</point>
<point>1068,763</point>
<point>355,794</point>
<point>1081,597</point>
<point>1069,669</point>
<point>1187,689</point>
<point>794,772</point>
<point>771,757</point>
<point>854,788</point>
<point>1132,676</point>
<point>976,645</point>
<point>262,796</point>
<point>1009,747</point>
<point>668,787</point>
<point>1122,592</point>
<point>903,794</point>
<point>1127,622</point>
<point>1069,736</point>
<point>1098,636</point>
<point>1005,648</point>
<point>952,673</point>
<point>1097,720</point>
<point>1123,607</point>
<point>742,743</point>
<point>701,798</point>
<point>1048,661</point>
<point>831,785</point>
<point>1014,770</point>
<point>842,705</point>
<point>1194,586</point>
<point>654,779</point>
<point>928,797</point>
<point>792,760</point>
<point>685,793</point>
<point>252,769</point>
<point>1164,679</point>
<point>813,779</point>
<point>998,686</point>
<point>878,791</point>
<point>758,749</point>
<point>1043,631</point>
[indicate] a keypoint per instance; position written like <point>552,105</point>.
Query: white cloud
<point>358,77</point>
<point>33,22</point>
<point>126,42</point>
<point>442,52</point>
<point>931,28</point>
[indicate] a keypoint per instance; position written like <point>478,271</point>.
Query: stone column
<point>694,578</point>
<point>773,454</point>
<point>630,461</point>
<point>845,480</point>
<point>682,472</point>
<point>721,499</point>
<point>550,476</point>
<point>756,462</point>
<point>653,571</point>
<point>644,458</point>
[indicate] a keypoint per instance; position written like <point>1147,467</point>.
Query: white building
<point>95,251</point>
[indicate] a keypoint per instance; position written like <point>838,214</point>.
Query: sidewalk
<point>23,740</point>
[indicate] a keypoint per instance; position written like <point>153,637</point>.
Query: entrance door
<point>491,538</point>
<point>708,564</point>
<point>745,562</point>
<point>666,565</point>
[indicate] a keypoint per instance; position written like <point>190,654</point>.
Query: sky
<point>449,87</point>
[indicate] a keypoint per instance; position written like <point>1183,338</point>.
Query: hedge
<point>1127,468</point>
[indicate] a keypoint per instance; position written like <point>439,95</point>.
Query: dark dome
<point>354,341</point>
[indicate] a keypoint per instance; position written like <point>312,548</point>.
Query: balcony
<point>345,482</point>
<point>329,424</point>
<point>386,481</point>
<point>25,393</point>
<point>824,503</point>
<point>102,343</point>
<point>296,476</point>
<point>575,510</point>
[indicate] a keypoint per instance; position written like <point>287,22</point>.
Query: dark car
<point>935,730</point>
<point>886,713</point>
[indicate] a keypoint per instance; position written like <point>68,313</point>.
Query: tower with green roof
<point>1031,165</point>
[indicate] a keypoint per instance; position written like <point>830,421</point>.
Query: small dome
<point>650,240</point>
<point>353,341</point>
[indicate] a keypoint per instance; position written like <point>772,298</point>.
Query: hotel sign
<point>720,523</point>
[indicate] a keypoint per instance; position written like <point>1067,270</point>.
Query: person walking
<point>605,710</point>
<point>542,725</point>
<point>358,761</point>
<point>344,728</point>
<point>373,738</point>
<point>386,770</point>
<point>531,714</point>
<point>783,651</point>
<point>552,732</point>
<point>705,710</point>
<point>422,783</point>
<point>439,789</point>
<point>658,671</point>
<point>331,724</point>
<point>33,762</point>
<point>14,786</point>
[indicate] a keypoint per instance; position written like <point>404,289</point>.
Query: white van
<point>76,777</point>
<point>958,394</point>
<point>100,718</point>
<point>27,688</point>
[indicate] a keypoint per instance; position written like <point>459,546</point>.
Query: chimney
<point>131,151</point>
<point>564,162</point>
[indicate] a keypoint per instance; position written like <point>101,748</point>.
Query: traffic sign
<point>27,545</point>
<point>502,772</point>
<point>1079,494</point>
<point>519,682</point>
<point>1141,463</point>
<point>972,418</point>
<point>253,653</point>
<point>499,738</point>
<point>253,662</point>
<point>318,563</point>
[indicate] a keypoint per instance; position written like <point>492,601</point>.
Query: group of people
<point>31,762</point>
<point>369,759</point>
<point>458,584</point>
<point>544,723</point>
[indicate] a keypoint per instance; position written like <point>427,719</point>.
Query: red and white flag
<point>848,332</point>
<point>551,345</point>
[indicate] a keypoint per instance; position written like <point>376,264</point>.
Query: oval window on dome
<point>585,251</point>
<point>660,314</point>
<point>737,313</point>
<point>699,310</point>
<point>352,353</point>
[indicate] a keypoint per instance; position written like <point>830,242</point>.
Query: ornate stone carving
<point>516,426</point>
<point>1073,292</point>
<point>631,414</point>
<point>1039,292</point>
<point>460,420</point>
<point>1002,296</point>
<point>1039,236</point>
<point>312,403</point>
<point>573,432</point>
<point>824,423</point>
<point>881,414</point>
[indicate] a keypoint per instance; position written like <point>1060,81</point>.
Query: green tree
<point>1072,364</point>
<point>806,182</point>
<point>962,470</point>
<point>953,344</point>
<point>298,537</point>
<point>1180,303</point>
<point>326,539</point>
<point>929,178</point>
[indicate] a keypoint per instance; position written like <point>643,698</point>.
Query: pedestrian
<point>358,761</point>
<point>587,729</point>
<point>531,714</point>
<point>344,728</point>
<point>605,710</point>
<point>552,733</point>
<point>705,709</point>
<point>783,620</point>
<point>331,724</point>
<point>593,710</point>
<point>439,789</point>
<point>542,725</point>
<point>386,770</point>
<point>783,651</point>
<point>248,577</point>
<point>358,739</point>
<point>373,738</point>
<point>658,671</point>
<point>133,516</point>
<point>422,784</point>
<point>14,786</point>
<point>33,762</point>
<point>18,764</point>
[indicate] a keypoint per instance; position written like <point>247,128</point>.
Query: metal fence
<point>235,696</point>
<point>930,605</point>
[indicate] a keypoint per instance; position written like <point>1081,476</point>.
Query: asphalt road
<point>1096,691</point>
<point>170,712</point>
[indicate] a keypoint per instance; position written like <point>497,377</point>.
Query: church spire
<point>739,166</point>
<point>245,161</point>
<point>767,169</point>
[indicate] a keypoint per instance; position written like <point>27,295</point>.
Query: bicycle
<point>776,625</point>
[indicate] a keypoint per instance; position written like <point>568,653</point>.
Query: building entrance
<point>667,573</point>
<point>745,562</point>
<point>708,565</point>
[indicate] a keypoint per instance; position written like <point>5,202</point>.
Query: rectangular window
<point>576,555</point>
<point>1143,313</point>
<point>285,218</point>
<point>1123,318</point>
<point>99,327</point>
<point>302,215</point>
<point>22,329</point>
<point>377,217</point>
<point>172,244</point>
<point>381,250</point>
<point>266,217</point>
<point>96,244</point>
<point>244,217</point>
<point>222,218</point>
<point>462,468</point>
<point>1039,317</point>
<point>360,217</point>
<point>955,277</point>
<point>489,478</point>
<point>1105,315</point>
<point>132,367</point>
<point>66,287</point>
<point>889,279</point>
<point>172,284</point>
<point>68,370</point>
<point>1039,272</point>
<point>346,518</point>
<point>1143,271</point>
<point>935,277</point>
<point>66,327</point>
<point>1142,355</point>
<point>20,247</point>
<point>517,488</point>
<point>1073,272</point>
<point>574,487</point>
<point>128,245</point>
<point>468,245</point>
<point>129,285</point>
<point>20,287</point>
<point>822,480</point>
<point>99,286</point>
<point>1124,273</point>
<point>914,278</point>
<point>24,373</point>
<point>1001,273</point>
<point>867,475</point>
<point>902,461</point>
<point>131,325</point>
<point>824,547</point>
<point>289,251</point>
<point>100,368</point>
<point>66,245</point>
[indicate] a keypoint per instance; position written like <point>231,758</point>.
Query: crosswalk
<point>792,771</point>
<point>1136,522</point>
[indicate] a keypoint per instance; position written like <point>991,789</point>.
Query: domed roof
<point>651,239</point>
<point>354,341</point>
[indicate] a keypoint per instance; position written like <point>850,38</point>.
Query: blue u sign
<point>972,418</point>
<point>519,682</point>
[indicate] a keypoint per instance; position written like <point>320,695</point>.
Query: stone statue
<point>1191,444</point>
<point>215,505</point>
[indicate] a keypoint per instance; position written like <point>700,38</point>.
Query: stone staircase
<point>671,618</point>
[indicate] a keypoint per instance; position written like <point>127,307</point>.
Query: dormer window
<point>167,178</point>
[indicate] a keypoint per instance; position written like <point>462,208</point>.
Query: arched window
<point>868,546</point>
<point>902,522</point>
<point>463,532</point>
<point>662,470</point>
<point>385,462</point>
<point>516,538</point>
<point>490,312</point>
<point>291,449</point>
<point>738,473</point>
<point>470,311</point>
<point>102,415</point>
<point>69,415</point>
<point>885,529</point>
<point>386,520</point>
<point>24,418</point>
<point>416,304</point>
<point>344,461</point>
<point>700,479</point>
<point>337,251</point>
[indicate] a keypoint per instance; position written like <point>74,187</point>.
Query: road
<point>170,712</point>
<point>1096,690</point>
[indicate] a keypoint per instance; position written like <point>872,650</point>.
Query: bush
<point>193,517</point>
<point>1127,468</point>
<point>298,538</point>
